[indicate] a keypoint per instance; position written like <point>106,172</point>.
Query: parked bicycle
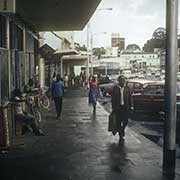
<point>40,98</point>
<point>36,100</point>
<point>33,108</point>
<point>43,99</point>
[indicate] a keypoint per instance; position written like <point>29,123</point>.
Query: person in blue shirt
<point>57,94</point>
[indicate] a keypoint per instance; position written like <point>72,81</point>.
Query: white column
<point>68,69</point>
<point>24,50</point>
<point>62,67</point>
<point>41,67</point>
<point>9,58</point>
<point>88,58</point>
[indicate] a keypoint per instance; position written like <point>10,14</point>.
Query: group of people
<point>73,80</point>
<point>121,103</point>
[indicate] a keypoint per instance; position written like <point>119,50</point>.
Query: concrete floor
<point>79,147</point>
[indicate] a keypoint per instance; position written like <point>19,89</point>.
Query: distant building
<point>68,35</point>
<point>163,60</point>
<point>141,61</point>
<point>135,62</point>
<point>133,48</point>
<point>59,39</point>
<point>111,52</point>
<point>117,41</point>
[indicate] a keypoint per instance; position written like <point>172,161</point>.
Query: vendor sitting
<point>29,88</point>
<point>24,118</point>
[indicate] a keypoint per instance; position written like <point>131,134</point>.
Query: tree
<point>99,52</point>
<point>157,41</point>
<point>159,33</point>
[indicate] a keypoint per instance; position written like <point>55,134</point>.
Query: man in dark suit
<point>121,105</point>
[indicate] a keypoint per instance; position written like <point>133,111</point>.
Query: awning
<point>71,58</point>
<point>56,15</point>
<point>66,52</point>
<point>75,60</point>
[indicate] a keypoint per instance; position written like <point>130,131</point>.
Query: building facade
<point>18,57</point>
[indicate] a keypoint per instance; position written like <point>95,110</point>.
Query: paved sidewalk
<point>79,147</point>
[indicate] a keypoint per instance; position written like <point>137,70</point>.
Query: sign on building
<point>117,41</point>
<point>7,6</point>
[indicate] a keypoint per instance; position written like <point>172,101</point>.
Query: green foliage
<point>158,40</point>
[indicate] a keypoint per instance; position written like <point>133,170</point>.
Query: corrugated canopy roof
<point>56,15</point>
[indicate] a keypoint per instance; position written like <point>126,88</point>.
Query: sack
<point>112,126</point>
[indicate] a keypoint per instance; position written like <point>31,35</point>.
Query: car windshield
<point>158,89</point>
<point>154,89</point>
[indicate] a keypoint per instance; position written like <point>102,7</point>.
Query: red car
<point>151,98</point>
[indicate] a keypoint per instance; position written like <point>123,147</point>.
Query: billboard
<point>7,6</point>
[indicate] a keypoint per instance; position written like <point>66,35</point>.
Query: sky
<point>135,20</point>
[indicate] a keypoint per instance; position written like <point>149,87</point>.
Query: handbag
<point>112,126</point>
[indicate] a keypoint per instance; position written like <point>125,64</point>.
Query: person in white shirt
<point>121,105</point>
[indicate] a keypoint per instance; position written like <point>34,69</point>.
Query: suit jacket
<point>116,98</point>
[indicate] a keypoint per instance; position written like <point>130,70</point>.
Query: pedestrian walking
<point>93,93</point>
<point>57,94</point>
<point>121,105</point>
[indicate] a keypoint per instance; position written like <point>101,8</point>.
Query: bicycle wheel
<point>37,115</point>
<point>44,102</point>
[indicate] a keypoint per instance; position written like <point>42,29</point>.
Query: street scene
<point>89,90</point>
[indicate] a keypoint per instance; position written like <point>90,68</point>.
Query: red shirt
<point>93,84</point>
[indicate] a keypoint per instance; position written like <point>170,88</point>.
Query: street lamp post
<point>88,54</point>
<point>88,58</point>
<point>91,50</point>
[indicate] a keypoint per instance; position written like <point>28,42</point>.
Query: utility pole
<point>88,57</point>
<point>169,151</point>
<point>91,59</point>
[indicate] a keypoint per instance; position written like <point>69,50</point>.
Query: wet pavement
<point>79,147</point>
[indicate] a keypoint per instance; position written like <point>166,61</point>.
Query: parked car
<point>105,86</point>
<point>137,85</point>
<point>151,98</point>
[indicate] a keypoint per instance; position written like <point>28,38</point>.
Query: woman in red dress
<point>93,93</point>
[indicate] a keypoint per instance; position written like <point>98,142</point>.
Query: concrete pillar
<point>9,57</point>
<point>62,70</point>
<point>169,156</point>
<point>106,70</point>
<point>87,69</point>
<point>68,69</point>
<point>24,50</point>
<point>88,57</point>
<point>41,69</point>
<point>0,77</point>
